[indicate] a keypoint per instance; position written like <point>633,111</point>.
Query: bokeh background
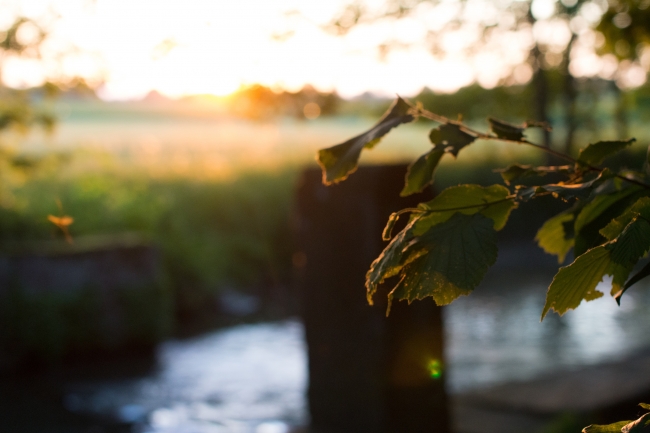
<point>149,154</point>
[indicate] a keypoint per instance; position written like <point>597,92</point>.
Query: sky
<point>215,46</point>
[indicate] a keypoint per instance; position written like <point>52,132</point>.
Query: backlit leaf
<point>577,282</point>
<point>506,130</point>
<point>596,153</point>
<point>632,244</point>
<point>566,191</point>
<point>62,221</point>
<point>597,214</point>
<point>618,224</point>
<point>640,425</point>
<point>450,138</point>
<point>390,261</point>
<point>450,260</point>
<point>339,161</point>
<point>619,275</point>
<point>492,202</point>
<point>609,428</point>
<point>517,171</point>
<point>577,190</point>
<point>420,173</point>
<point>600,204</point>
<point>643,273</point>
<point>552,236</point>
<point>387,234</point>
<point>626,250</point>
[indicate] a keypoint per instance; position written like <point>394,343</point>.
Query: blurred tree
<point>626,30</point>
<point>548,34</point>
<point>24,39</point>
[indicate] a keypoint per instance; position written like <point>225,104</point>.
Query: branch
<point>452,209</point>
<point>418,111</point>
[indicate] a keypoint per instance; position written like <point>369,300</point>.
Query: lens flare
<point>435,369</point>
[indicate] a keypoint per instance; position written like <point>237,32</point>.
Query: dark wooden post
<point>367,373</point>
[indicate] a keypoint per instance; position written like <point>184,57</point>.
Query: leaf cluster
<point>450,242</point>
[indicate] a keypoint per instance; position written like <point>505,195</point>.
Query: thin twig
<point>451,209</point>
<point>419,111</point>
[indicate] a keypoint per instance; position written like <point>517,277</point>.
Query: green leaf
<point>645,406</point>
<point>387,234</point>
<point>644,272</point>
<point>597,214</point>
<point>609,428</point>
<point>492,202</point>
<point>577,281</point>
<point>600,204</point>
<point>566,191</point>
<point>596,153</point>
<point>516,171</point>
<point>640,425</point>
<point>577,190</point>
<point>619,274</point>
<point>450,260</point>
<point>420,172</point>
<point>552,236</point>
<point>390,261</point>
<point>506,130</point>
<point>339,161</point>
<point>450,138</point>
<point>618,224</point>
<point>632,244</point>
<point>626,250</point>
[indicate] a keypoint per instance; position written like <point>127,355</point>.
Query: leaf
<point>626,250</point>
<point>552,236</point>
<point>390,261</point>
<point>506,130</point>
<point>451,259</point>
<point>609,428</point>
<point>450,138</point>
<point>420,172</point>
<point>516,171</point>
<point>339,161</point>
<point>596,153</point>
<point>632,244</point>
<point>645,406</point>
<point>600,204</point>
<point>387,234</point>
<point>62,221</point>
<point>577,190</point>
<point>577,281</point>
<point>619,275</point>
<point>597,214</point>
<point>566,191</point>
<point>640,425</point>
<point>644,272</point>
<point>618,224</point>
<point>471,199</point>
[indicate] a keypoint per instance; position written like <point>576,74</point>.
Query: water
<point>248,378</point>
<point>252,378</point>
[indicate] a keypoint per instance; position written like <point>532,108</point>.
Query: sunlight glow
<point>217,46</point>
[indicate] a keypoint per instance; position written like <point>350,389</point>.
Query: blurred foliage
<point>626,28</point>
<point>213,234</point>
<point>51,326</point>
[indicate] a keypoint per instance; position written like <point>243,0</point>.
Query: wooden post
<point>367,373</point>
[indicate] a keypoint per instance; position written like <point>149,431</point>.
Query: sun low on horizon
<point>178,48</point>
<point>217,46</point>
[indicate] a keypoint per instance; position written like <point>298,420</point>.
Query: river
<point>251,378</point>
